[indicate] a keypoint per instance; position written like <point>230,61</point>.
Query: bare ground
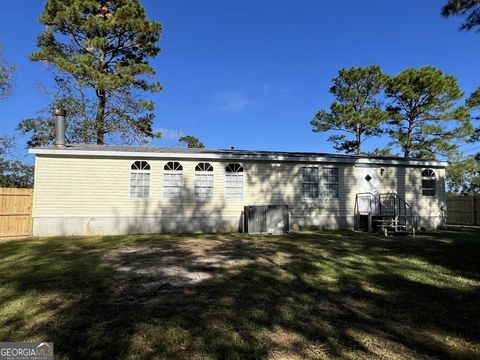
<point>188,262</point>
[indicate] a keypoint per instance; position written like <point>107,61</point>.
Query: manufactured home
<point>100,189</point>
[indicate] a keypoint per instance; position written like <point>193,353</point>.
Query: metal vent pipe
<point>60,127</point>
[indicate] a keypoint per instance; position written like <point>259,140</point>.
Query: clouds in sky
<point>276,89</point>
<point>170,133</point>
<point>236,100</point>
<point>232,100</point>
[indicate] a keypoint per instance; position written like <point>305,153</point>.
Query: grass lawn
<point>309,295</point>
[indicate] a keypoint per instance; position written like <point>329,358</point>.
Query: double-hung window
<point>203,181</point>
<point>310,183</point>
<point>172,180</point>
<point>140,180</point>
<point>429,182</point>
<point>234,181</point>
<point>330,183</point>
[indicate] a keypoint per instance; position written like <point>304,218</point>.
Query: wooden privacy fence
<point>463,210</point>
<point>15,212</point>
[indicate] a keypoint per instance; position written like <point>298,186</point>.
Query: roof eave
<point>238,157</point>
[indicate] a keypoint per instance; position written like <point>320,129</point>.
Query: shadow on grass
<point>313,295</point>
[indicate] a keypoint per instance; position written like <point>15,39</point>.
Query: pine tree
<point>473,103</point>
<point>191,141</point>
<point>6,73</point>
<point>356,110</point>
<point>425,118</point>
<point>102,48</point>
<point>470,9</point>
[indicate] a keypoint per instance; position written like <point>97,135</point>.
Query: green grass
<point>332,295</point>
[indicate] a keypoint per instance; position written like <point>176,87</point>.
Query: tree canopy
<point>469,9</point>
<point>463,174</point>
<point>6,74</point>
<point>356,111</point>
<point>473,103</point>
<point>101,50</point>
<point>13,172</point>
<point>80,120</point>
<point>425,118</point>
<point>190,141</point>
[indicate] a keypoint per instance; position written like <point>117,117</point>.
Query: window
<point>429,182</point>
<point>173,166</point>
<point>172,180</point>
<point>204,181</point>
<point>330,183</point>
<point>310,182</point>
<point>234,182</point>
<point>204,167</point>
<point>140,180</point>
<point>234,168</point>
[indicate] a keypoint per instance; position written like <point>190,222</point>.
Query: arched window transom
<point>140,165</point>
<point>428,173</point>
<point>203,166</point>
<point>234,168</point>
<point>173,166</point>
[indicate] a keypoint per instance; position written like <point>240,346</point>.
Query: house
<point>100,189</point>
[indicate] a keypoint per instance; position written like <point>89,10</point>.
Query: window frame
<point>431,177</point>
<point>310,182</point>
<point>139,171</point>
<point>204,169</point>
<point>177,171</point>
<point>329,183</point>
<point>235,172</point>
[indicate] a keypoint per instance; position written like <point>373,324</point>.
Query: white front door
<point>367,180</point>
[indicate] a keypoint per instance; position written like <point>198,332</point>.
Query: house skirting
<point>72,226</point>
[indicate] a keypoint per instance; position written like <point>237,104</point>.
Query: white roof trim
<point>239,157</point>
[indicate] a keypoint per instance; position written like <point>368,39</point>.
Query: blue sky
<point>251,74</point>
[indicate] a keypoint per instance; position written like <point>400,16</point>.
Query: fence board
<point>463,210</point>
<point>15,212</point>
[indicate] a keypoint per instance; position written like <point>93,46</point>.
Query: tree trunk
<point>358,139</point>
<point>408,144</point>
<point>100,118</point>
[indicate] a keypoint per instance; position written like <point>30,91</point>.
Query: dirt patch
<point>186,262</point>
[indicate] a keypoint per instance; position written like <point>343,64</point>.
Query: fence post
<point>473,209</point>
